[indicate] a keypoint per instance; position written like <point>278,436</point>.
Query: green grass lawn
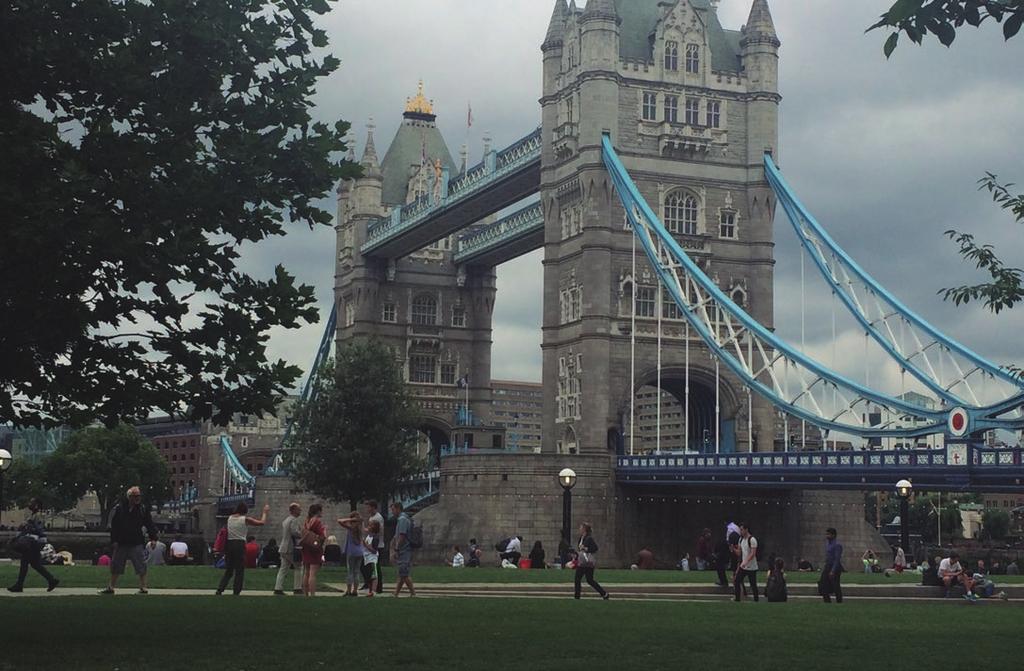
<point>202,577</point>
<point>228,634</point>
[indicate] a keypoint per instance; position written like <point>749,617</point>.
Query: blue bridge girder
<point>503,179</point>
<point>986,470</point>
<point>519,233</point>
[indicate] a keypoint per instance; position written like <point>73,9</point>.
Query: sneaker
<point>606,597</point>
<point>106,590</point>
<point>143,591</point>
<point>279,592</point>
<point>15,588</point>
<point>1002,595</point>
<point>370,594</point>
<point>53,585</point>
<point>298,592</point>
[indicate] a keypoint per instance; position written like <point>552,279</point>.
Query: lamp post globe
<point>567,478</point>
<point>903,490</point>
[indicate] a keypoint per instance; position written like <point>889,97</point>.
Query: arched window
<point>671,55</point>
<point>692,58</point>
<point>681,213</point>
<point>424,310</point>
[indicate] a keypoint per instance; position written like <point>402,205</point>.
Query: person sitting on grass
<point>458,561</point>
<point>951,572</point>
<point>869,560</point>
<point>179,551</point>
<point>474,554</point>
<point>804,566</point>
<point>776,591</point>
<point>270,557</point>
<point>252,552</point>
<point>537,556</point>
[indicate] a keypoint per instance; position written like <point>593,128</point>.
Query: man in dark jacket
<point>126,524</point>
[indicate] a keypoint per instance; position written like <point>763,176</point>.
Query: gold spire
<point>419,104</point>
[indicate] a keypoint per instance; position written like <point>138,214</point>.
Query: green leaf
<point>946,33</point>
<point>890,44</point>
<point>1012,25</point>
<point>903,10</point>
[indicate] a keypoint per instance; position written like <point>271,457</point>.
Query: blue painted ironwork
<point>930,349</point>
<point>745,338</point>
<point>235,470</point>
<point>308,393</point>
<point>495,167</point>
<point>987,469</point>
<point>525,221</point>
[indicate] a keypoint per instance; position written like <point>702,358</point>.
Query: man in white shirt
<point>747,568</point>
<point>514,550</point>
<point>291,531</point>
<point>951,572</point>
<point>458,561</point>
<point>179,551</point>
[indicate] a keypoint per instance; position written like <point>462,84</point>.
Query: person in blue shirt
<point>832,569</point>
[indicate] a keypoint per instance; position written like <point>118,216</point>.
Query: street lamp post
<point>903,490</point>
<point>567,480</point>
<point>5,462</point>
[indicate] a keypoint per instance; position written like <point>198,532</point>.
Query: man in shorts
<point>401,549</point>
<point>951,572</point>
<point>126,523</point>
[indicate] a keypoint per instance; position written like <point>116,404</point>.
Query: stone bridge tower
<point>435,316</point>
<point>691,108</point>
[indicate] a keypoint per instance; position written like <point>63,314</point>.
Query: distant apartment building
<point>672,422</point>
<point>518,408</point>
<point>792,434</point>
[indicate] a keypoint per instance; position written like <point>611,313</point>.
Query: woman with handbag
<point>586,561</point>
<point>28,543</point>
<point>234,554</point>
<point>312,543</point>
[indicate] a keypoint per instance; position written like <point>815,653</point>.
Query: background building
<point>519,409</point>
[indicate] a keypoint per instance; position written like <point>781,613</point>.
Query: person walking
<point>373,515</point>
<point>291,554</point>
<point>832,570</point>
<point>31,538</point>
<point>234,554</point>
<point>722,557</point>
<point>586,561</point>
<point>313,535</point>
<point>747,567</point>
<point>353,524</point>
<point>776,590</point>
<point>130,516</point>
<point>401,549</point>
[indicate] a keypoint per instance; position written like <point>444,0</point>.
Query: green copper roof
<point>640,18</point>
<point>406,150</point>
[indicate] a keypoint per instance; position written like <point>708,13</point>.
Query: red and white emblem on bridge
<point>959,422</point>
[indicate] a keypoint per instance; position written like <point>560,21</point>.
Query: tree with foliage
<point>25,480</point>
<point>355,437</point>
<point>107,462</point>
<point>143,144</point>
<point>995,523</point>
<point>942,18</point>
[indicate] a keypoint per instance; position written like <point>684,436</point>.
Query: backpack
<point>502,545</point>
<point>415,536</point>
<point>758,551</point>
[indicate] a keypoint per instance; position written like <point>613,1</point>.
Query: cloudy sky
<point>886,154</point>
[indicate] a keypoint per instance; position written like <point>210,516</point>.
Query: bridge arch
<point>700,432</point>
<point>435,435</point>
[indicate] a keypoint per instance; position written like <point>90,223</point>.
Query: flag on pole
<point>469,115</point>
<point>464,381</point>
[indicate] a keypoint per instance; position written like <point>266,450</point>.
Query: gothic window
<point>571,304</point>
<point>458,316</point>
<point>349,313</point>
<point>671,55</point>
<point>568,399</point>
<point>714,114</point>
<point>669,309</point>
<point>672,109</point>
<point>692,58</point>
<point>692,111</point>
<point>568,110</point>
<point>447,373</point>
<point>422,368</point>
<point>727,225</point>
<point>649,110</point>
<point>645,301</point>
<point>739,297</point>
<point>681,213</point>
<point>424,311</point>
<point>389,313</point>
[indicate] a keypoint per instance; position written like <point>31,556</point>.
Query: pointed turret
<point>556,29</point>
<point>760,21</point>
<point>370,162</point>
<point>600,8</point>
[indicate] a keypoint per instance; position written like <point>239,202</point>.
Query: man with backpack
<point>747,567</point>
<point>401,549</point>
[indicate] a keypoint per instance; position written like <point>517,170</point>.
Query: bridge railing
<point>982,457</point>
<point>494,167</point>
<point>511,226</point>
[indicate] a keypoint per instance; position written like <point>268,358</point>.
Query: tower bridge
<point>652,187</point>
